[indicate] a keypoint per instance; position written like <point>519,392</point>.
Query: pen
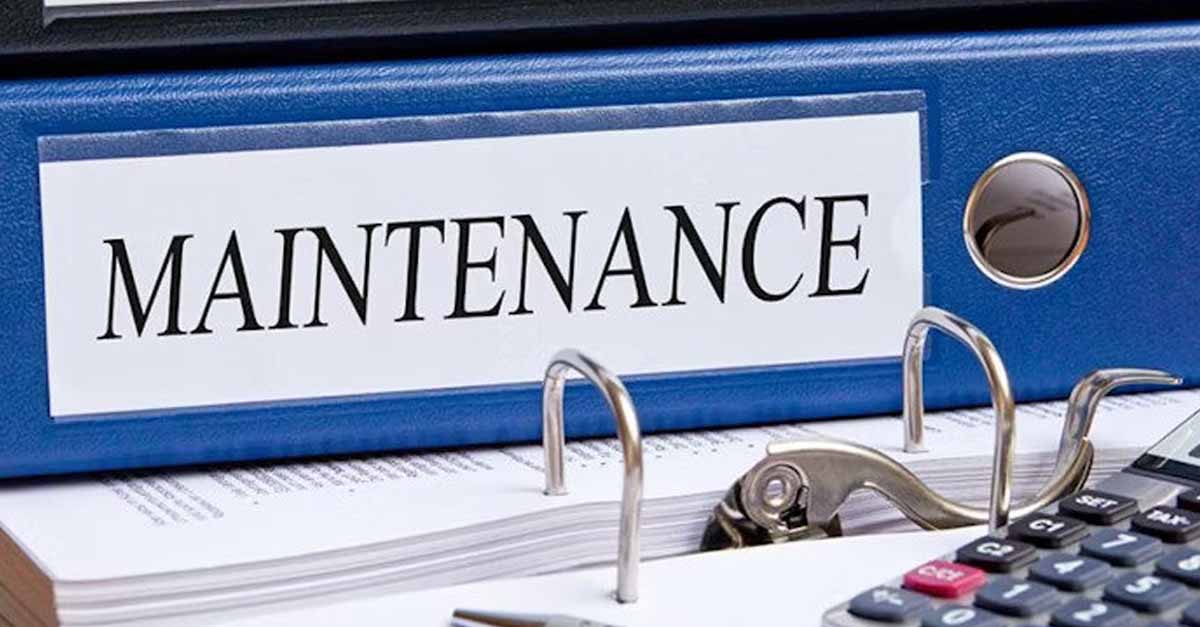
<point>475,618</point>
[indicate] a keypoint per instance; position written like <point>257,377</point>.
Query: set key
<point>1098,508</point>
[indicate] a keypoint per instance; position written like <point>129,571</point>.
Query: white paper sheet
<point>85,531</point>
<point>777,585</point>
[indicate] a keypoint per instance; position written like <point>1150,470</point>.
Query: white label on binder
<point>186,280</point>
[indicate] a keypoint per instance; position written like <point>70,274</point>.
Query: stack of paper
<point>146,546</point>
<point>744,587</point>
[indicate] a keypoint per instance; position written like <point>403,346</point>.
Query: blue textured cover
<point>1121,106</point>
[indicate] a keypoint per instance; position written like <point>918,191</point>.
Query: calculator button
<point>1071,572</point>
<point>888,605</point>
<point>1016,597</point>
<point>997,555</point>
<point>1098,508</point>
<point>1046,531</point>
<point>1169,523</point>
<point>1182,564</point>
<point>1189,500</point>
<point>1091,613</point>
<point>1191,614</point>
<point>960,616</point>
<point>1123,548</point>
<point>944,579</point>
<point>1146,593</point>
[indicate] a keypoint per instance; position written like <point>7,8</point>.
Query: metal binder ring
<point>795,492</point>
<point>1073,461</point>
<point>1001,392</point>
<point>629,433</point>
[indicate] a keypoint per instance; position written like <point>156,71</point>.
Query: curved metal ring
<point>1086,397</point>
<point>1001,392</point>
<point>629,432</point>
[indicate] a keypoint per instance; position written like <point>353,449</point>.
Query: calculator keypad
<point>1189,500</point>
<point>1169,523</point>
<point>1092,561</point>
<point>1046,531</point>
<point>1016,597</point>
<point>1092,613</point>
<point>1182,564</point>
<point>888,605</point>
<point>960,616</point>
<point>1191,614</point>
<point>1121,548</point>
<point>997,555</point>
<point>1146,593</point>
<point>1068,571</point>
<point>947,580</point>
<point>1098,508</point>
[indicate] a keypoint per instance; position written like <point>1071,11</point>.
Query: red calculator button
<point>947,580</point>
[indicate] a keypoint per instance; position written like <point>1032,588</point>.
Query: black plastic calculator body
<point>1124,552</point>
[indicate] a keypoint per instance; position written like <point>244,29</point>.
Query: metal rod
<point>1085,399</point>
<point>629,433</point>
<point>1001,392</point>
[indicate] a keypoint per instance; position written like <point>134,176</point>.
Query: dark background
<point>70,45</point>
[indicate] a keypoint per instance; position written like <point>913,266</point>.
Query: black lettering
<point>749,269</point>
<point>465,264</point>
<point>233,259</point>
<point>635,270</point>
<point>414,258</point>
<point>172,262</point>
<point>565,286</point>
<point>286,263</point>
<point>327,250</point>
<point>685,228</point>
<point>828,204</point>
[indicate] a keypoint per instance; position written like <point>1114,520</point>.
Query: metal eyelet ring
<point>1027,221</point>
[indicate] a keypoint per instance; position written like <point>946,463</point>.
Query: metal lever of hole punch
<point>797,490</point>
<point>629,433</point>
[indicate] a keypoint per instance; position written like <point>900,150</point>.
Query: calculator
<point>1124,552</point>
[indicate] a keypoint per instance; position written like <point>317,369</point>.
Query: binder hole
<point>1026,221</point>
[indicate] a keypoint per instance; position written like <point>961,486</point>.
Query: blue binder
<point>1117,104</point>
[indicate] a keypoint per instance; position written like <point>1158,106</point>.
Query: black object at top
<point>177,34</point>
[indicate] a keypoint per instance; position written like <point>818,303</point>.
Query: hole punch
<point>819,475</point>
<point>629,433</point>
